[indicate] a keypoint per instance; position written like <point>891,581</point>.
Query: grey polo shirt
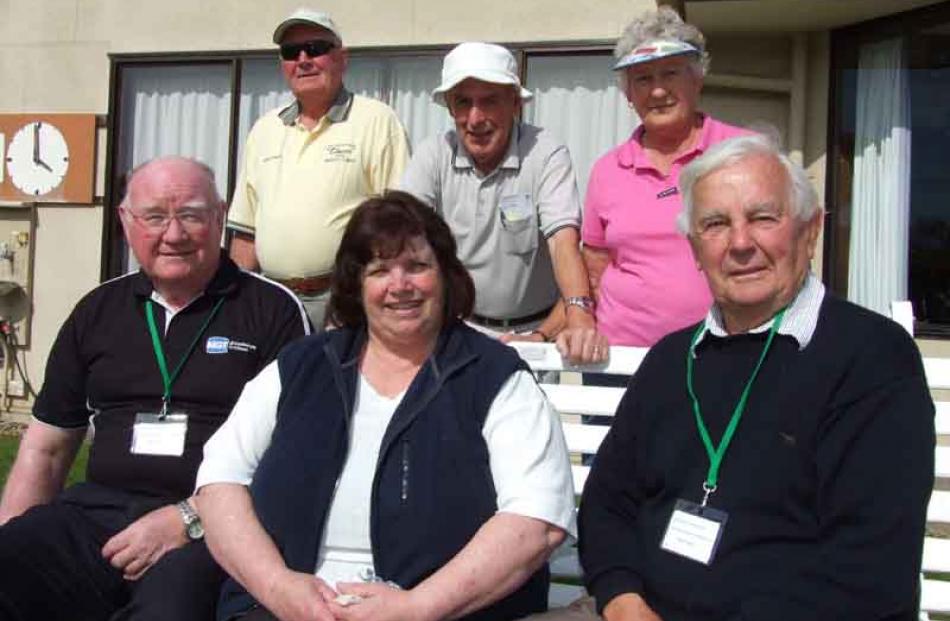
<point>501,220</point>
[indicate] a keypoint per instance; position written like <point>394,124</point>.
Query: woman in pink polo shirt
<point>642,274</point>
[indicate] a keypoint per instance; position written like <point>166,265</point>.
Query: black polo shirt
<point>103,368</point>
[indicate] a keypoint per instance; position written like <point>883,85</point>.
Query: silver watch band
<point>584,302</point>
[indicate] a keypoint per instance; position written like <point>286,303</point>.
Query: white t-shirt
<point>345,553</point>
<point>528,457</point>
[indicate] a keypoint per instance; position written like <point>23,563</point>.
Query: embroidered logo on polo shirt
<point>343,152</point>
<point>222,345</point>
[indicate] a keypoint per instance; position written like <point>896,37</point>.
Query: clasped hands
<point>297,596</point>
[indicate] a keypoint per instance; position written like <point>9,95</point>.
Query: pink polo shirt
<point>651,286</point>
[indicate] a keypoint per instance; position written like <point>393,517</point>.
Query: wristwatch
<point>584,302</point>
<point>193,527</point>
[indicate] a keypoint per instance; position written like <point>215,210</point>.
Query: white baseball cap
<point>483,61</point>
<point>307,17</point>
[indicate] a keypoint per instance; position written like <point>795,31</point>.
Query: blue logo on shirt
<point>217,345</point>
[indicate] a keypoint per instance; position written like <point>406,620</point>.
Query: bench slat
<point>579,474</point>
<point>942,462</point>
<point>583,438</point>
<point>576,399</point>
<point>935,596</point>
<point>942,421</point>
<point>936,554</point>
<point>545,357</point>
<point>938,511</point>
<point>938,372</point>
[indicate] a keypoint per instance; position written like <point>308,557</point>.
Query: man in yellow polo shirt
<point>307,166</point>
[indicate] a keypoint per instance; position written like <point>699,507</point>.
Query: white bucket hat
<point>483,61</point>
<point>307,17</point>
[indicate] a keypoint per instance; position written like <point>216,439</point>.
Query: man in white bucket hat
<point>508,192</point>
<point>308,165</point>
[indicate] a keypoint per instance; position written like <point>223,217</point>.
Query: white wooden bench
<point>574,400</point>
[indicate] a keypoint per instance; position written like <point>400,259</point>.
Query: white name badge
<point>154,435</point>
<point>694,531</point>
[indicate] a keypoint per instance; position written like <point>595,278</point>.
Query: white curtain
<point>262,89</point>
<point>880,204</point>
<point>413,80</point>
<point>578,99</point>
<point>403,82</point>
<point>175,110</point>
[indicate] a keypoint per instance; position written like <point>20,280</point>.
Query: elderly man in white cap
<point>508,192</point>
<point>308,165</point>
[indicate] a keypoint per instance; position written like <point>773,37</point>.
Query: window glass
<point>413,80</point>
<point>181,109</point>
<point>889,226</point>
<point>929,278</point>
<point>176,110</point>
<point>403,82</point>
<point>577,97</point>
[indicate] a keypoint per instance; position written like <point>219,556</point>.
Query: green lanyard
<point>167,379</point>
<point>716,454</point>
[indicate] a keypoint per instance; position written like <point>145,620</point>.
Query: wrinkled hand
<point>144,541</point>
<point>582,345</point>
<point>629,607</point>
<point>296,596</point>
<point>378,602</point>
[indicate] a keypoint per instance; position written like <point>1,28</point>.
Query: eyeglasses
<point>157,222</point>
<point>313,49</point>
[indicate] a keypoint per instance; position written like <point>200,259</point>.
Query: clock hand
<point>36,148</point>
<point>36,143</point>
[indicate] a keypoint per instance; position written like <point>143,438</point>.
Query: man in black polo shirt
<point>154,360</point>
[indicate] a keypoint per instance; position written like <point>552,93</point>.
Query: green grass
<point>8,449</point>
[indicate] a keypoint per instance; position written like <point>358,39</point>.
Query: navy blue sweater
<point>825,482</point>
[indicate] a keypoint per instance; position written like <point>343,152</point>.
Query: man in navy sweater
<point>775,460</point>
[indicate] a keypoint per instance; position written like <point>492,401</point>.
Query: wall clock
<point>47,157</point>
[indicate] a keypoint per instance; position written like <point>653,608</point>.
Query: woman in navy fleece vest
<point>401,466</point>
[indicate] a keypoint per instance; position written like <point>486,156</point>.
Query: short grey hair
<point>802,198</point>
<point>664,23</point>
<point>211,189</point>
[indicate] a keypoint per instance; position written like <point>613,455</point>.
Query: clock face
<point>37,158</point>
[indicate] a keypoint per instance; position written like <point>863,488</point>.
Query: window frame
<point>845,43</point>
<point>112,236</point>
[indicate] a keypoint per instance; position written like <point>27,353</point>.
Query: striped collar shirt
<point>800,320</point>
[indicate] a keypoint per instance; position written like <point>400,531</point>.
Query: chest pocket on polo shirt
<point>339,152</point>
<point>519,229</point>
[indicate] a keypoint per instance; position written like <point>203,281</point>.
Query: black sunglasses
<point>313,49</point>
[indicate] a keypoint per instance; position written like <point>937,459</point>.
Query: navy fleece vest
<point>433,487</point>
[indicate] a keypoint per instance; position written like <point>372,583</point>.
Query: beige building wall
<point>54,58</point>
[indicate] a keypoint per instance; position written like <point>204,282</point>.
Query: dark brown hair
<point>383,226</point>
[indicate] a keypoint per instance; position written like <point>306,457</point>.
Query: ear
<point>694,248</point>
<point>120,213</point>
<point>813,230</point>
